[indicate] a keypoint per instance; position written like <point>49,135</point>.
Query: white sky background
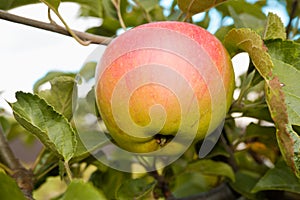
<point>27,54</point>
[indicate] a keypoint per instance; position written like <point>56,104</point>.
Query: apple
<point>162,86</point>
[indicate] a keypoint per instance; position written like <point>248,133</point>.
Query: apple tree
<point>252,151</point>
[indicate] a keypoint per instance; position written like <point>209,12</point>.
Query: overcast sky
<point>26,53</point>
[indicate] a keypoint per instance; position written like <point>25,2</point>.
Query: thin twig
<point>55,10</point>
<point>188,14</point>
<point>50,18</point>
<point>231,159</point>
<point>292,15</point>
<point>117,5</point>
<point>44,173</point>
<point>6,169</point>
<point>23,177</point>
<point>95,39</point>
<point>6,153</point>
<point>68,170</point>
<point>180,16</point>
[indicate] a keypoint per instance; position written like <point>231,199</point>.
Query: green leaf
<point>108,27</point>
<point>252,83</point>
<point>246,84</point>
<point>89,137</point>
<point>279,178</point>
<point>135,17</point>
<point>15,130</point>
<point>87,142</point>
<point>222,32</point>
<point>89,7</point>
<point>109,9</point>
<point>136,188</point>
<point>147,5</point>
<point>285,56</point>
<point>245,181</point>
<point>192,183</point>
<point>78,190</point>
<point>266,132</point>
<point>263,140</point>
<point>5,125</point>
<point>53,130</point>
<point>157,14</point>
<point>9,4</point>
<point>47,161</point>
<point>245,39</point>
<point>192,7</point>
<point>198,176</point>
<point>253,110</point>
<point>109,181</point>
<point>61,169</point>
<point>285,51</point>
<point>246,161</point>
<point>60,96</point>
<point>205,22</point>
<point>242,7</point>
<point>92,8</point>
<point>210,167</point>
<point>9,188</point>
<point>246,20</point>
<point>274,28</point>
<point>289,77</point>
<point>48,77</point>
<point>286,67</point>
<point>88,71</point>
<point>218,150</point>
<point>288,140</point>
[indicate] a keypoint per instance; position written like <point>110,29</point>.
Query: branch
<point>292,15</point>
<point>162,185</point>
<point>231,159</point>
<point>23,177</point>
<point>95,39</point>
<point>6,153</point>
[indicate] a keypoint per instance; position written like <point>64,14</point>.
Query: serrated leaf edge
<point>272,86</point>
<point>48,139</point>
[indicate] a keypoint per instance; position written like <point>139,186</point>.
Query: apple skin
<point>140,47</point>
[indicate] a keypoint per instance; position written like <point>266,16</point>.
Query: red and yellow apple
<point>162,80</point>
